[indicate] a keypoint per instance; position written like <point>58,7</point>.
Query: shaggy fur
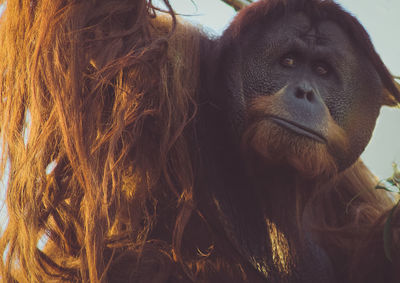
<point>108,93</point>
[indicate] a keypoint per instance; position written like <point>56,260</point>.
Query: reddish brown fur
<point>111,96</point>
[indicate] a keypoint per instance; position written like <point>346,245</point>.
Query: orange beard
<point>281,146</point>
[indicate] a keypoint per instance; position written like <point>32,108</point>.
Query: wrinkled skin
<point>318,74</point>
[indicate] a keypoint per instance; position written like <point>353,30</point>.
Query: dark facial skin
<point>319,76</point>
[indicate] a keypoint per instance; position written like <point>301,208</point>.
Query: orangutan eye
<point>322,69</point>
<point>288,61</point>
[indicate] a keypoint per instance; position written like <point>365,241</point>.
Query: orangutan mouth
<point>299,129</point>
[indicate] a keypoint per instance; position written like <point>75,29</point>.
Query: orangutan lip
<point>299,129</point>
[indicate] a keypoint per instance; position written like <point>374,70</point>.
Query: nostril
<point>300,94</point>
<point>310,96</point>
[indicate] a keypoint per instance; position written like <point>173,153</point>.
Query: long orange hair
<point>98,101</point>
<point>80,90</point>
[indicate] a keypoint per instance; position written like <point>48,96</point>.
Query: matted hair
<point>103,92</point>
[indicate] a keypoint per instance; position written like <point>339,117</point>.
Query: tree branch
<point>237,4</point>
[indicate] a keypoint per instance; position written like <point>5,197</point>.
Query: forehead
<point>300,28</point>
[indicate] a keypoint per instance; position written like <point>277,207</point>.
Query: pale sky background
<point>380,18</point>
